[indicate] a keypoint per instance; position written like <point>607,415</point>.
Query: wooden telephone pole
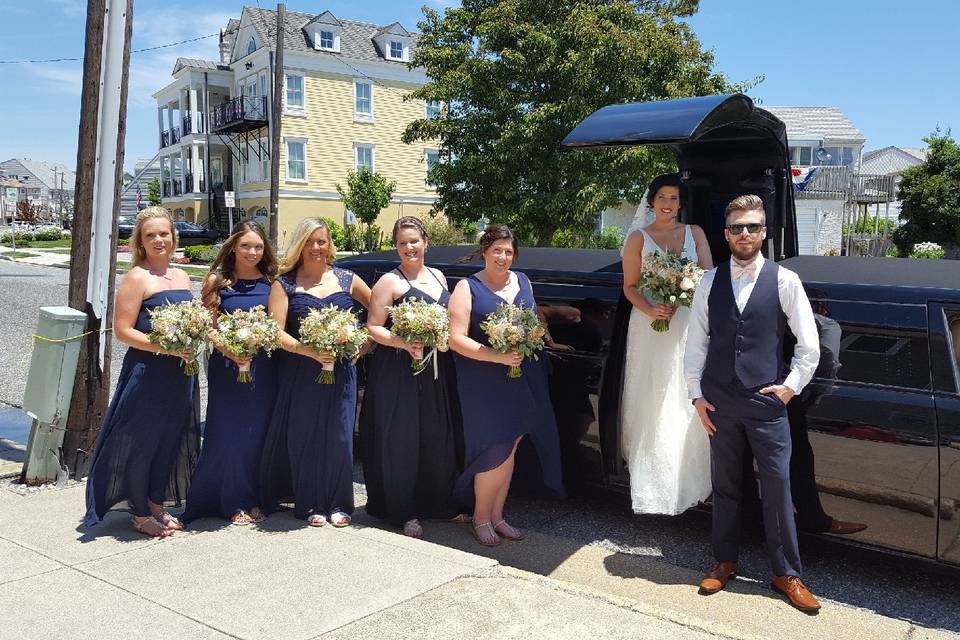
<point>276,110</point>
<point>103,123</point>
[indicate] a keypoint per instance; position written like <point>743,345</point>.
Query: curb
<point>193,278</point>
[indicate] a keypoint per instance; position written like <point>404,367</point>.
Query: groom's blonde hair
<point>747,202</point>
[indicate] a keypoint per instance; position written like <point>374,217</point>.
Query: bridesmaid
<point>498,411</point>
<point>410,431</point>
<point>226,482</point>
<point>308,453</point>
<point>149,439</point>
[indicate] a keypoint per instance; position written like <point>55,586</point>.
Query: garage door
<point>807,231</point>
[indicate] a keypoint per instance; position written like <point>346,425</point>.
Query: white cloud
<point>70,8</point>
<point>62,78</point>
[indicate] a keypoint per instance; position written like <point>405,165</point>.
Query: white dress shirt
<point>793,302</point>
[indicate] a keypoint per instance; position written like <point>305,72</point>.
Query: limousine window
<point>881,344</point>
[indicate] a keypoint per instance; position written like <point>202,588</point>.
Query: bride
<point>666,449</point>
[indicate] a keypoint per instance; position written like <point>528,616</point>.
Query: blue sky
<point>892,67</point>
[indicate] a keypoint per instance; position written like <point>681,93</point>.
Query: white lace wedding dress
<point>666,449</point>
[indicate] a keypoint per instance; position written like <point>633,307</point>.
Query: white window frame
<point>333,40</point>
<point>295,110</point>
<point>361,116</point>
<point>357,146</point>
<point>251,41</point>
<point>426,167</point>
<point>426,109</point>
<point>403,49</point>
<point>286,141</point>
<point>265,162</point>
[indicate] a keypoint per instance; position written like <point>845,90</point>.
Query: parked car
<point>125,226</point>
<point>885,428</point>
<point>189,234</point>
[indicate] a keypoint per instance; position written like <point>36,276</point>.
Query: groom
<point>736,376</point>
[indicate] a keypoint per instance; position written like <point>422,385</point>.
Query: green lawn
<point>41,244</point>
<point>18,254</point>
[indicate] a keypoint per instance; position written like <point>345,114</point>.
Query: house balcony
<point>191,127</point>
<point>844,183</point>
<point>170,137</point>
<point>239,115</point>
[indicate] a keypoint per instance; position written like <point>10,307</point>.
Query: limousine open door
<point>725,147</point>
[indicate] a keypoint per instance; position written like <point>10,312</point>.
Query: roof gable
<point>395,29</point>
<point>325,18</point>
<point>818,123</point>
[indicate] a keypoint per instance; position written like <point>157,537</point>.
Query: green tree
<point>930,197</point>
<point>367,194</point>
<point>153,192</point>
<point>515,76</point>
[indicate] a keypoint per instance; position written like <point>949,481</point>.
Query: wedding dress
<point>666,448</point>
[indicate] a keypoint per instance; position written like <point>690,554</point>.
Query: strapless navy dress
<point>497,409</point>
<point>227,478</point>
<point>149,440</point>
<point>411,437</point>
<point>308,452</point>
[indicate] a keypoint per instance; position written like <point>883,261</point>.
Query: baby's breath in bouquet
<point>335,331</point>
<point>669,279</point>
<point>417,320</point>
<point>514,328</point>
<point>243,333</point>
<point>181,326</point>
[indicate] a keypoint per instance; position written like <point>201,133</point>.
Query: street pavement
<point>589,568</point>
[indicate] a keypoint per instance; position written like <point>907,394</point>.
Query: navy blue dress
<point>227,476</point>
<point>411,436</point>
<point>150,437</point>
<point>308,452</point>
<point>497,409</point>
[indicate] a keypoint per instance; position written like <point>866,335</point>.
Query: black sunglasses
<point>751,227</point>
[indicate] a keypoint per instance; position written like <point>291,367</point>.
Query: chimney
<point>224,48</point>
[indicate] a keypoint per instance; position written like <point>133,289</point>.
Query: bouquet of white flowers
<point>428,323</point>
<point>669,279</point>
<point>514,328</point>
<point>243,333</point>
<point>181,326</point>
<point>335,331</point>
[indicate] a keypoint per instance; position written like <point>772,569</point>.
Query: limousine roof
<point>902,273</point>
<point>529,258</point>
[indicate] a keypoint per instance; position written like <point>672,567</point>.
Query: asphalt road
<point>905,590</point>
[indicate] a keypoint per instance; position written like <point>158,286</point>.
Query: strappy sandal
<point>412,528</point>
<point>339,519</point>
<point>256,515</point>
<point>508,531</point>
<point>140,525</point>
<point>241,518</point>
<point>168,521</point>
<point>316,520</point>
<point>475,530</point>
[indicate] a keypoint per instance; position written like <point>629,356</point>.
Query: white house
<point>892,161</point>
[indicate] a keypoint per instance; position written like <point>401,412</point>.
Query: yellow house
<point>344,108</point>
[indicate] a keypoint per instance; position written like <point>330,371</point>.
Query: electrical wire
<point>145,49</point>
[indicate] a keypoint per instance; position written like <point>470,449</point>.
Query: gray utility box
<point>53,367</point>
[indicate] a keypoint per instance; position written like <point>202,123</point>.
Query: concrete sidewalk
<point>285,580</point>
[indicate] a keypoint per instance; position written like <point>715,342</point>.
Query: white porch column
<point>183,169</point>
<point>160,127</point>
<point>194,110</point>
<point>170,117</point>
<point>195,166</point>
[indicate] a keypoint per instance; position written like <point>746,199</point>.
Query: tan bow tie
<point>738,270</point>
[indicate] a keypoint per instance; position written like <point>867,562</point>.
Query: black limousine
<point>885,424</point>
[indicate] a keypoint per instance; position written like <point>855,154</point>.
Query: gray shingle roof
<point>891,160</point>
<point>356,40</point>
<point>194,63</point>
<point>44,172</point>
<point>828,123</point>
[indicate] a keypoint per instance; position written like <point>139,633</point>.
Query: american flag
<point>139,198</point>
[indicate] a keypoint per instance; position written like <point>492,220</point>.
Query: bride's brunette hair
<point>223,270</point>
<point>664,180</point>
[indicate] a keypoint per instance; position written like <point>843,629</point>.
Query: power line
<point>161,46</point>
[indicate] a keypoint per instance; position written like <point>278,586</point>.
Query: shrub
<point>440,231</point>
<point>202,253</point>
<point>48,234</point>
<point>352,238</point>
<point>608,238</point>
<point>123,242</point>
<point>566,239</point>
<point>927,251</point>
<point>336,233</point>
<point>892,252</point>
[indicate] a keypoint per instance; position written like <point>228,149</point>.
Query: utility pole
<point>103,123</point>
<point>276,110</point>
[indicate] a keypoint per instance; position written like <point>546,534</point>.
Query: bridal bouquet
<point>669,279</point>
<point>243,333</point>
<point>181,326</point>
<point>514,328</point>
<point>335,331</point>
<point>428,323</point>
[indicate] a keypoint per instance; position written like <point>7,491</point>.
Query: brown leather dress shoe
<point>842,528</point>
<point>717,577</point>
<point>798,594</point>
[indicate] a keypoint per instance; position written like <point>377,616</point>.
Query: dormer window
<point>326,40</point>
<point>396,49</point>
<point>251,46</point>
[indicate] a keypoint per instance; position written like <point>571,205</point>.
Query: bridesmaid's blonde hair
<point>139,254</point>
<point>303,231</point>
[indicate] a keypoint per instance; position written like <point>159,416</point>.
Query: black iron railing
<point>239,112</point>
